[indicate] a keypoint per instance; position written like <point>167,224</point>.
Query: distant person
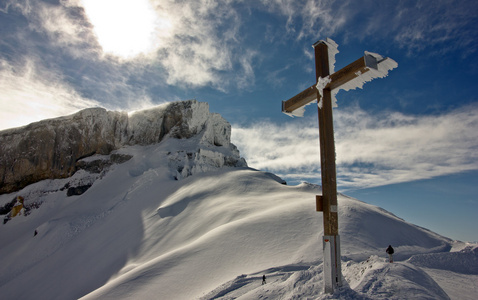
<point>390,253</point>
<point>263,279</point>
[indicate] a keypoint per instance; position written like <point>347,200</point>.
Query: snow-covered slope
<point>141,232</point>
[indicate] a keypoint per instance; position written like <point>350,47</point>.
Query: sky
<point>407,142</point>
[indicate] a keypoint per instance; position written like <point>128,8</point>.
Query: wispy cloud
<point>195,43</point>
<point>52,61</point>
<point>30,94</point>
<point>204,45</point>
<point>372,150</point>
<point>435,26</point>
<point>63,26</point>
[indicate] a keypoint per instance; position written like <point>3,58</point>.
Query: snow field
<point>138,233</point>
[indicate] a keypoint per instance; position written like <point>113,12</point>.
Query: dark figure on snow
<point>390,253</point>
<point>263,279</point>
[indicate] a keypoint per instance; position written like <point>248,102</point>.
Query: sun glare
<point>125,28</point>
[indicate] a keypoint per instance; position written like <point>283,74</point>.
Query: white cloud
<point>372,150</point>
<point>277,147</point>
<point>197,43</point>
<point>203,44</point>
<point>30,93</point>
<point>61,25</point>
<point>312,18</point>
<point>434,26</point>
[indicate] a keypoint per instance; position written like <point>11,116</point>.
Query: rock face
<point>53,149</point>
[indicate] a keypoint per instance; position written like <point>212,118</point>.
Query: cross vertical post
<point>352,76</point>
<point>331,239</point>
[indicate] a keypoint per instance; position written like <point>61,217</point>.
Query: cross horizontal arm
<point>338,78</point>
<point>303,98</point>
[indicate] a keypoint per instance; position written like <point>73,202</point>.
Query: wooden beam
<point>347,73</point>
<point>327,147</point>
<point>303,98</point>
<point>338,79</point>
<point>332,264</point>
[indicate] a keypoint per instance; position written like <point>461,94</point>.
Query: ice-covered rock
<point>54,148</point>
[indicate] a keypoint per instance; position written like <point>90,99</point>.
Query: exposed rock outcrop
<point>54,148</point>
<point>50,148</point>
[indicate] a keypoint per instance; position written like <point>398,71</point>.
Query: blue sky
<point>407,142</point>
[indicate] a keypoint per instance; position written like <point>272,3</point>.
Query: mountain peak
<point>51,149</point>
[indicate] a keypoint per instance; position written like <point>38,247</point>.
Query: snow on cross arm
<point>352,76</point>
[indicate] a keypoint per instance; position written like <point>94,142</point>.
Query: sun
<point>125,28</point>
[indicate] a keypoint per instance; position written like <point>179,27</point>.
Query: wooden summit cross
<point>354,75</point>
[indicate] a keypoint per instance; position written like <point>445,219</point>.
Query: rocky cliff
<point>55,148</point>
